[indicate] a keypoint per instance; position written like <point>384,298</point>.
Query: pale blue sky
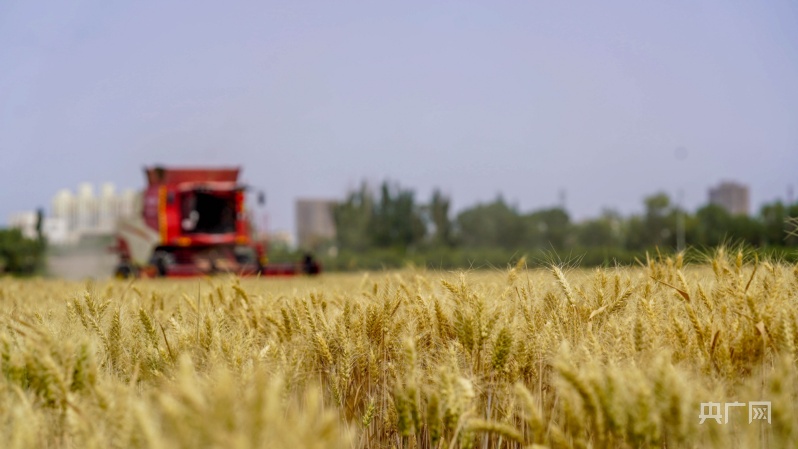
<point>524,98</point>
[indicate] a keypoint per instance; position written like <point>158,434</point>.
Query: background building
<point>25,222</point>
<point>54,229</point>
<point>731,196</point>
<point>314,222</point>
<point>81,214</point>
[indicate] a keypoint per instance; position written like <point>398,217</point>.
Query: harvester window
<point>207,212</point>
<point>190,216</point>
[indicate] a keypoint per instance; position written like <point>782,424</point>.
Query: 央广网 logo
<point>757,410</point>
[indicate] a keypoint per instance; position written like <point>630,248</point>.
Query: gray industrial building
<point>314,222</point>
<point>732,196</point>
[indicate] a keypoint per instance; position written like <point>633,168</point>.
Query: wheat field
<point>563,357</point>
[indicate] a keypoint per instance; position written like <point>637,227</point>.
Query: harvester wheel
<point>160,266</point>
<point>124,271</point>
<point>309,265</point>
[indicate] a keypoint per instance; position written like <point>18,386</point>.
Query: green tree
<point>774,217</point>
<point>491,225</point>
<point>778,223</point>
<point>548,228</point>
<point>352,219</point>
<point>396,221</point>
<point>791,226</point>
<point>659,227</point>
<point>712,227</point>
<point>656,227</point>
<point>602,232</point>
<point>438,214</point>
<point>747,229</point>
<point>18,254</point>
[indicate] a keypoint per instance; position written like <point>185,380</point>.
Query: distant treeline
<point>389,228</point>
<point>20,255</point>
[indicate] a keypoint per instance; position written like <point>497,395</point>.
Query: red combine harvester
<point>193,223</point>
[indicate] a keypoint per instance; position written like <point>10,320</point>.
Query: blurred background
<point>445,134</point>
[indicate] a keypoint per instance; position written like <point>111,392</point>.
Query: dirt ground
<point>81,263</point>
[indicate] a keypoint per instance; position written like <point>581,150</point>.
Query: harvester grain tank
<point>192,222</point>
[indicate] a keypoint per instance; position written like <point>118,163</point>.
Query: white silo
<point>128,203</point>
<point>107,209</point>
<point>87,209</point>
<point>65,208</point>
